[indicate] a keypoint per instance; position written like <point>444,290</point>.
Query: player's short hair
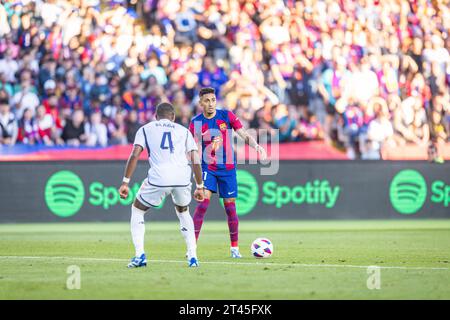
<point>206,90</point>
<point>165,110</point>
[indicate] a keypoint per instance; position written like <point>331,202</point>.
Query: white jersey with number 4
<point>167,144</point>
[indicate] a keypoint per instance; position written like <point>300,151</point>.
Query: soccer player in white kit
<point>169,145</point>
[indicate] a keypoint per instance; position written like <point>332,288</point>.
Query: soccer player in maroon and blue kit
<point>213,128</point>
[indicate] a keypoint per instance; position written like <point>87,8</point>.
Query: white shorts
<point>152,196</point>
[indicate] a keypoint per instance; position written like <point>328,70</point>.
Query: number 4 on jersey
<point>167,138</point>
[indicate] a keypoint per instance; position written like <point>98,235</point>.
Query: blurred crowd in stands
<point>357,74</point>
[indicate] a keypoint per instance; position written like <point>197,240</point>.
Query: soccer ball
<point>262,248</point>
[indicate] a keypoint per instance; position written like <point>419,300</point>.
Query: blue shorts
<point>225,180</point>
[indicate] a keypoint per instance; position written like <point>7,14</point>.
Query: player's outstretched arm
<point>196,166</point>
<point>252,142</point>
<point>129,170</point>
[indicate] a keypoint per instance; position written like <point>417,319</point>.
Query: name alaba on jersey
<point>215,135</point>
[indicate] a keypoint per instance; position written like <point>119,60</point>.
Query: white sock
<point>188,231</point>
<point>137,229</point>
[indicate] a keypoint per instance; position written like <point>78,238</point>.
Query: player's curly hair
<point>206,90</point>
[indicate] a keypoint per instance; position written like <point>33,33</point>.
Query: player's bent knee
<point>181,209</point>
<point>139,205</point>
<point>229,200</point>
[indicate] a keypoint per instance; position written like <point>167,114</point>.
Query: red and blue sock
<point>199,215</point>
<point>233,222</point>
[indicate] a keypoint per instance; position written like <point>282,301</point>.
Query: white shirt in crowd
<point>379,130</point>
<point>97,134</point>
<point>49,12</point>
<point>9,67</point>
<point>167,143</point>
<point>8,126</point>
<point>4,25</point>
<point>25,100</point>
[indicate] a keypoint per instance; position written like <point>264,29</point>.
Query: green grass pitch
<point>311,260</point>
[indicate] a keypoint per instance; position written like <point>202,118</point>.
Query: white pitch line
<point>275,264</point>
